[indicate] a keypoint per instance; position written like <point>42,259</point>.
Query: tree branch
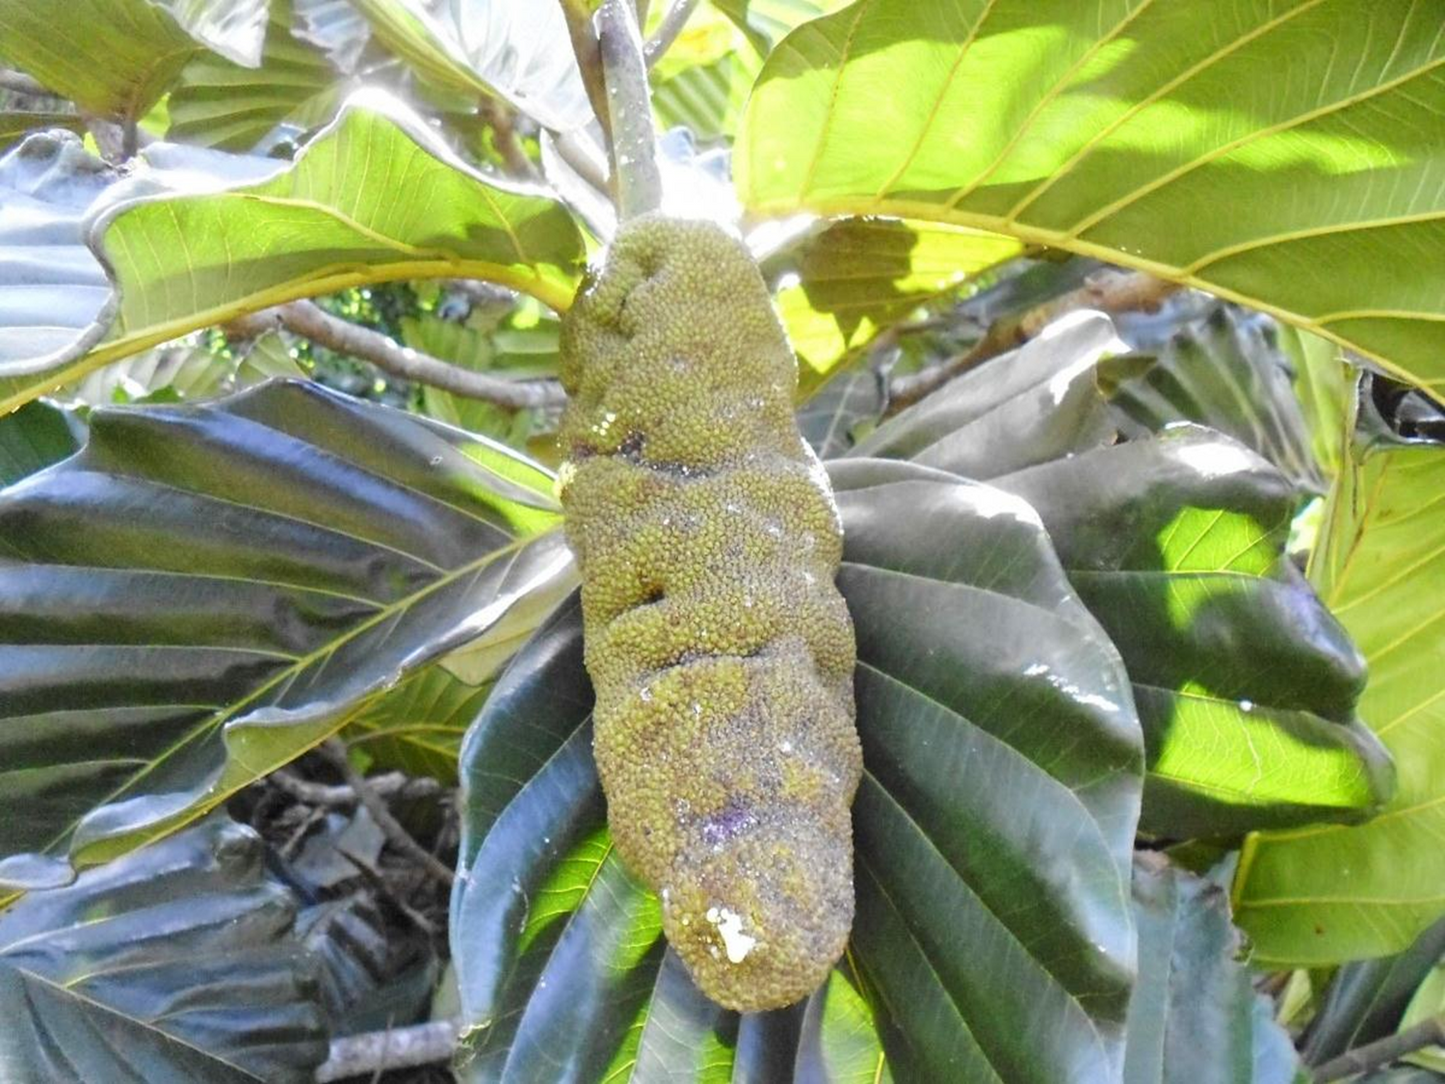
<point>1383,1051</point>
<point>390,785</point>
<point>21,83</point>
<point>589,59</point>
<point>1113,291</point>
<point>395,833</point>
<point>629,102</point>
<point>668,30</point>
<point>308,319</point>
<point>396,1048</point>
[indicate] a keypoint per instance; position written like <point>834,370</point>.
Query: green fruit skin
<point>721,652</point>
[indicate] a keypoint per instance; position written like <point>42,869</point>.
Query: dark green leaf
<point>987,845</point>
<point>1366,998</point>
<point>1327,894</point>
<point>208,590</point>
<point>1029,406</point>
<point>1225,369</point>
<point>172,965</point>
<point>1245,684</point>
<point>1195,1018</point>
<point>34,437</point>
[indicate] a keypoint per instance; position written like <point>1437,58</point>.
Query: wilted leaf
<point>250,576</point>
<point>1158,136</point>
<point>172,965</point>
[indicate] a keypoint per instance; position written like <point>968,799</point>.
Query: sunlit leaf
<point>1328,893</point>
<point>1162,136</point>
<point>518,49</point>
<point>200,237</point>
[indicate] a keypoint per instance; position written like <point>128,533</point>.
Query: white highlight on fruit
<point>736,943</point>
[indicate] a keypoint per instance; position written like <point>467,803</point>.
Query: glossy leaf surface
<point>171,965</point>
<point>1327,894</point>
<point>250,576</point>
<point>967,785</point>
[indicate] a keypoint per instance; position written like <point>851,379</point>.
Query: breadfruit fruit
<point>720,650</point>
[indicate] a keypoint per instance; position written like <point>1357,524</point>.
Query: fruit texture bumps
<point>719,647</point>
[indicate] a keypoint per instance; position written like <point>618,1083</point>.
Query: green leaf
<point>114,58</point>
<point>186,371</point>
<point>839,1042</point>
<point>201,237</point>
<point>985,844</point>
<point>417,727</point>
<point>220,103</point>
<point>1326,894</point>
<point>15,125</point>
<point>830,419</point>
<point>1030,406</point>
<point>1366,998</point>
<point>171,965</point>
<point>1244,684</point>
<point>516,49</point>
<point>250,576</point>
<point>861,275</point>
<point>234,28</point>
<point>1195,1018</point>
<point>767,21</point>
<point>1157,136</point>
<point>34,437</point>
<point>1227,370</point>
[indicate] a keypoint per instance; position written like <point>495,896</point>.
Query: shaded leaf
<point>985,846</point>
<point>1366,998</point>
<point>15,125</point>
<point>1195,1018</point>
<point>1026,407</point>
<point>235,29</point>
<point>1327,894</point>
<point>35,436</point>
<point>1245,684</point>
<point>171,965</point>
<point>861,275</point>
<point>187,371</point>
<point>201,237</point>
<point>250,576</point>
<point>417,727</point>
<point>218,102</point>
<point>1156,136</point>
<point>1226,369</point>
<point>114,58</point>
<point>830,419</point>
<point>516,49</point>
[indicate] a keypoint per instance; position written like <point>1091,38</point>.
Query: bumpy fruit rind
<point>721,651</point>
